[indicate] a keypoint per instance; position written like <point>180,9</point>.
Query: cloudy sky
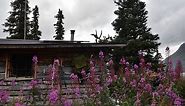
<point>166,18</point>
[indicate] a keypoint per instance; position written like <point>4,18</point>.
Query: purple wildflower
<point>142,80</point>
<point>53,70</point>
<point>77,92</point>
<point>133,83</point>
<point>154,103</point>
<point>148,87</point>
<point>74,77</point>
<point>98,88</point>
<point>127,64</point>
<point>35,60</point>
<point>109,80</point>
<point>155,94</point>
<point>110,62</point>
<point>115,77</point>
<point>68,102</point>
<point>171,94</point>
<point>18,104</point>
<point>178,101</point>
<point>32,84</point>
<point>101,55</point>
<point>91,63</point>
<point>122,61</point>
<point>83,73</point>
<point>4,96</point>
<point>138,99</point>
<point>53,96</point>
<point>136,66</point>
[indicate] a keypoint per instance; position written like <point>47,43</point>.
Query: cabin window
<point>21,66</point>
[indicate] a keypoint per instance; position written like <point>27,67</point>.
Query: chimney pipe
<point>72,35</point>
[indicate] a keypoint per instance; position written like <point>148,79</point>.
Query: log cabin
<point>16,60</point>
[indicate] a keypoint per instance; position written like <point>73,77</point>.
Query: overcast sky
<point>166,18</point>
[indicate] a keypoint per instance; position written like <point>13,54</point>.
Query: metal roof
<point>17,43</point>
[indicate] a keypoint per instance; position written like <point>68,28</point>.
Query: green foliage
<point>80,61</point>
<point>14,24</point>
<point>132,30</point>
<point>165,101</point>
<point>35,32</point>
<point>59,29</point>
<point>180,88</point>
<point>105,98</point>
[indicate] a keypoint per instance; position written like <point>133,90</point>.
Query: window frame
<point>9,67</point>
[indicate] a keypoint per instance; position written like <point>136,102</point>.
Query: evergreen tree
<point>132,30</point>
<point>18,18</point>
<point>59,26</point>
<point>35,32</point>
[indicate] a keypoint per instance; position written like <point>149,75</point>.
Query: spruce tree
<point>35,32</point>
<point>131,28</point>
<point>15,23</point>
<point>59,29</point>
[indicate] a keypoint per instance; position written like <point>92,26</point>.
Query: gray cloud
<point>165,18</point>
<point>4,4</point>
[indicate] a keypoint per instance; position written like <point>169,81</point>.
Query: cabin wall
<point>2,66</point>
<point>45,58</point>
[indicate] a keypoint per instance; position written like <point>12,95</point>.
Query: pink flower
<point>154,103</point>
<point>110,62</point>
<point>77,92</point>
<point>18,104</point>
<point>155,94</point>
<point>122,61</point>
<point>91,63</point>
<point>136,66</point>
<point>83,73</point>
<point>148,88</point>
<point>101,55</point>
<point>4,96</point>
<point>127,64</point>
<point>35,60</point>
<point>115,77</point>
<point>142,80</point>
<point>32,84</point>
<point>74,77</point>
<point>53,96</point>
<point>178,101</point>
<point>109,80</point>
<point>53,70</point>
<point>133,83</point>
<point>68,102</point>
<point>98,88</point>
<point>137,102</point>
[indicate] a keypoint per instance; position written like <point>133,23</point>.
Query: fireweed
<point>136,85</point>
